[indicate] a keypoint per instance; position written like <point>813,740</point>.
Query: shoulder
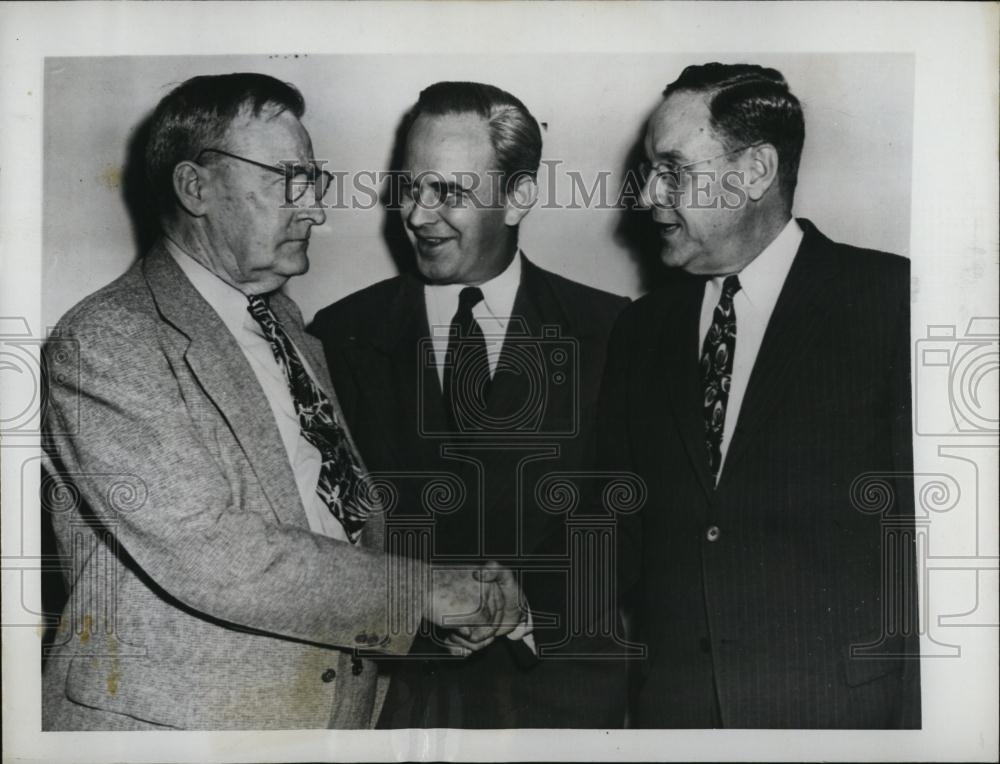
<point>123,307</point>
<point>661,304</point>
<point>589,306</point>
<point>359,311</point>
<point>863,268</point>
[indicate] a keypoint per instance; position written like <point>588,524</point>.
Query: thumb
<point>490,572</point>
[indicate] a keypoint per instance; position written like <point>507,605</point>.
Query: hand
<point>506,601</point>
<point>460,601</point>
<point>512,602</point>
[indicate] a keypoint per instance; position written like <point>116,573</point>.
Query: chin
<point>435,271</point>
<point>294,265</point>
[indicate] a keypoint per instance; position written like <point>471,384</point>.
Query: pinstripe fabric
<point>753,629</point>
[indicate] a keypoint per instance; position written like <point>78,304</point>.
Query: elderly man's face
<point>699,233</point>
<point>254,242</point>
<point>457,239</point>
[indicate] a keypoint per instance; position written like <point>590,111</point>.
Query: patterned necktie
<point>467,367</point>
<point>341,483</point>
<point>717,371</point>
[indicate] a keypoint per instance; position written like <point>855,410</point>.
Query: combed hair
<point>514,133</point>
<point>751,104</point>
<point>198,113</point>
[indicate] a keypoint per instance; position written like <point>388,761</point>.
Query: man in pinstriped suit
<point>756,394</point>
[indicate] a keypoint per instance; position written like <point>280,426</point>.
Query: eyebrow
<point>672,156</point>
<point>449,186</point>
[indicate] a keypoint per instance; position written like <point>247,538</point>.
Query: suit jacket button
<point>361,639</point>
<point>329,675</point>
<point>712,534</point>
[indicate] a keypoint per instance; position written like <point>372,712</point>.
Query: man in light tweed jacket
<point>227,553</point>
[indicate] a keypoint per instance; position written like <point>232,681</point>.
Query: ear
<point>190,187</point>
<point>520,200</point>
<point>762,172</point>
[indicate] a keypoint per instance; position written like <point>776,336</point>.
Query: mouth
<point>431,244</point>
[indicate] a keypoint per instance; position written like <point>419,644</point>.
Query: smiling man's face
<point>463,239</point>
<point>697,234</point>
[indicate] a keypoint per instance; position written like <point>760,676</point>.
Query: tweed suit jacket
<point>199,598</point>
<point>377,343</point>
<point>777,598</point>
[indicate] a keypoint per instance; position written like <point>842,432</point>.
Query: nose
<point>417,214</point>
<point>315,214</point>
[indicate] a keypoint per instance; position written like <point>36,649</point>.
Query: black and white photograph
<point>490,381</point>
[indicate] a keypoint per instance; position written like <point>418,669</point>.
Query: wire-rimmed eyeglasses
<point>299,177</point>
<point>668,181</point>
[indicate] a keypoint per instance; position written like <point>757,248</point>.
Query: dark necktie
<point>717,371</point>
<point>466,367</point>
<point>341,479</point>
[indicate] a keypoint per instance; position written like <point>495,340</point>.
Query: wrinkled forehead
<point>449,144</point>
<point>273,134</point>
<point>680,129</point>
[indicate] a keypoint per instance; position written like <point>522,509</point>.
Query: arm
<point>194,535</point>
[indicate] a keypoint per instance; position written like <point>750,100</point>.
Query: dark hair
<point>198,113</point>
<point>514,133</point>
<point>751,104</point>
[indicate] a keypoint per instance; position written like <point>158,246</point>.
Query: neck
<point>758,234</point>
<point>194,246</point>
<point>509,254</point>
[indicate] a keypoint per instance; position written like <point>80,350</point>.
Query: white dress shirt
<point>492,313</point>
<point>305,458</point>
<point>760,284</point>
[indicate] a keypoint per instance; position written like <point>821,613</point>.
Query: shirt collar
<point>228,301</point>
<point>761,280</point>
<point>499,292</point>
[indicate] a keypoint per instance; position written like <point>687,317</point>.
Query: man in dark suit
<point>479,377</point>
<point>227,560</point>
<point>760,394</point>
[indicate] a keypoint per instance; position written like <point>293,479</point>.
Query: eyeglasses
<point>433,194</point>
<point>669,181</point>
<point>299,177</point>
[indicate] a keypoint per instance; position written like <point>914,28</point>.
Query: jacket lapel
<point>799,315</point>
<point>673,361</point>
<point>410,404</point>
<point>223,372</point>
<point>535,307</point>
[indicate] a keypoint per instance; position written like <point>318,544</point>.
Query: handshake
<point>476,607</point>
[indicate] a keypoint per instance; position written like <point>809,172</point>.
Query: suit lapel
<point>535,306</point>
<point>511,383</point>
<point>673,361</point>
<point>224,373</point>
<point>799,315</point>
<point>410,404</point>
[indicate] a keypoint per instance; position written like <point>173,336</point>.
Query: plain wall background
<point>854,180</point>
